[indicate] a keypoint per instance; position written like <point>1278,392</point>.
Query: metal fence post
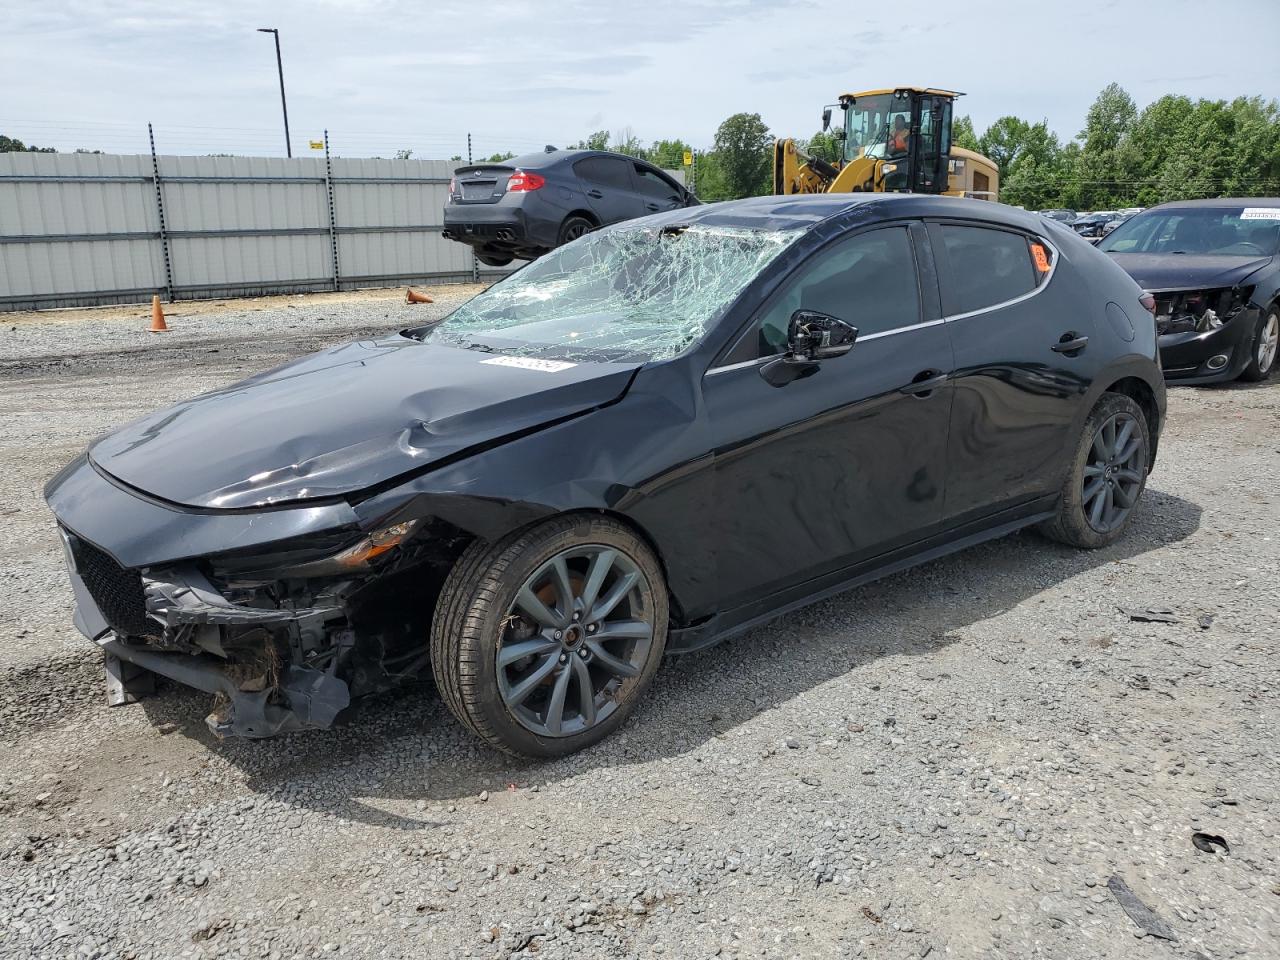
<point>475,264</point>
<point>333,223</point>
<point>164,233</point>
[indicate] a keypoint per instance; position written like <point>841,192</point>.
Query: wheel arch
<point>676,609</point>
<point>579,212</point>
<point>1142,393</point>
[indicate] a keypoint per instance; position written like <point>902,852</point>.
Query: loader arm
<point>794,171</point>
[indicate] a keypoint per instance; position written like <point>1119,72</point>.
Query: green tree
<point>596,141</point>
<point>498,157</point>
<point>963,134</point>
<point>668,154</point>
<point>822,145</point>
<point>626,142</point>
<point>1110,119</point>
<point>742,148</point>
<point>14,145</point>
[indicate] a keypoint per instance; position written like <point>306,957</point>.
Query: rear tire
<point>493,259</point>
<point>1107,476</point>
<point>573,228</point>
<point>525,652</point>
<point>1266,345</point>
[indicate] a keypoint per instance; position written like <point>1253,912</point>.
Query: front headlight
<point>355,558</point>
<point>312,557</point>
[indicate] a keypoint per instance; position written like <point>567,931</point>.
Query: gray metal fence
<point>86,229</point>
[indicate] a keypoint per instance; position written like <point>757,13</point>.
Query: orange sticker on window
<point>1041,256</point>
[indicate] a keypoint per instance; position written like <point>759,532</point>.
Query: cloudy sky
<point>385,74</point>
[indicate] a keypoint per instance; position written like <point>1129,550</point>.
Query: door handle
<point>652,206</point>
<point>924,383</point>
<point>1070,343</point>
<point>595,194</point>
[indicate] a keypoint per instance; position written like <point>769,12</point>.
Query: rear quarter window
<point>988,266</point>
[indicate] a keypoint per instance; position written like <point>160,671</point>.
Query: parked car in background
<point>1114,222</point>
<point>1091,225</point>
<point>649,440</point>
<point>1061,215</point>
<point>1213,267</point>
<point>527,206</point>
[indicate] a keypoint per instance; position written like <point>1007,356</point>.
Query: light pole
<point>284,106</point>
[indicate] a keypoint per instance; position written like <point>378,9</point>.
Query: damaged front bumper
<point>196,637</point>
<point>246,619</point>
<point>1200,344</point>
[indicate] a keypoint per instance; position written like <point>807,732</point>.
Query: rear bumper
<point>499,227</point>
<point>1214,356</point>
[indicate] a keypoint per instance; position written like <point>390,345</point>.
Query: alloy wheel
<point>577,230</point>
<point>1268,342</point>
<point>1114,473</point>
<point>574,640</point>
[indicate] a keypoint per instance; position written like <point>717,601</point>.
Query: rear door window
<point>988,267</point>
<point>609,172</point>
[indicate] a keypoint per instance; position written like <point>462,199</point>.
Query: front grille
<point>116,591</point>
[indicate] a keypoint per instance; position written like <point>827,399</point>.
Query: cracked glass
<point>626,294</point>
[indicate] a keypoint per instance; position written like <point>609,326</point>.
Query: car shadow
<point>404,747</point>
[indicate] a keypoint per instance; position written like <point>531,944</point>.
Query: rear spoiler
<point>486,167</point>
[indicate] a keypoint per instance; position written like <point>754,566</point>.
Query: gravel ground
<point>953,761</point>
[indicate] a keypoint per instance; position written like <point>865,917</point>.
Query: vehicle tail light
<point>453,186</point>
<point>522,181</point>
<point>1148,302</point>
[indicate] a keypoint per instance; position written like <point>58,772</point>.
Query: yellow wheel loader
<point>891,141</point>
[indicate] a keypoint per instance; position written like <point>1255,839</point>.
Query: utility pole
<point>284,106</point>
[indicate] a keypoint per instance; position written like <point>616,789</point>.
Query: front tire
<point>1265,347</point>
<point>543,642</point>
<point>1107,476</point>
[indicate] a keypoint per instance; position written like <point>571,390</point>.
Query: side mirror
<point>811,337</point>
<point>826,118</point>
<point>818,336</point>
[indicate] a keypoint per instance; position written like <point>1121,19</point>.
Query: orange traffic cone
<point>414,296</point>
<point>157,317</point>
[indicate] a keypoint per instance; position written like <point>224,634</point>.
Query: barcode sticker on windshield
<point>1261,213</point>
<point>529,363</point>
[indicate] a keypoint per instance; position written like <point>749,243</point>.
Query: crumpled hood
<point>1187,271</point>
<point>345,419</point>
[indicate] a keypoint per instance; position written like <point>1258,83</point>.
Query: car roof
<point>1218,202</point>
<point>547,158</point>
<point>804,210</point>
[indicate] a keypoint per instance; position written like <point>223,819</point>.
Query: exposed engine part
<point>1197,311</point>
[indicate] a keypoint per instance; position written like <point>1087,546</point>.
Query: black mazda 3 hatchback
<point>660,435</point>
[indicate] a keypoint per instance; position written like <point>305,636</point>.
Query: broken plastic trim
<point>644,293</point>
<point>312,699</point>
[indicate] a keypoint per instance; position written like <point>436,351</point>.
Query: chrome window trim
<point>1053,269</point>
<point>1040,287</point>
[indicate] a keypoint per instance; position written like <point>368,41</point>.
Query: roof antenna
<point>548,149</point>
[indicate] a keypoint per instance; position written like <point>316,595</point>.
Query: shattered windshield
<point>630,293</point>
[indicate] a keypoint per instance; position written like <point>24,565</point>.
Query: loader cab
<point>908,129</point>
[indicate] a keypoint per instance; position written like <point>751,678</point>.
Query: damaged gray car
<point>660,435</point>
